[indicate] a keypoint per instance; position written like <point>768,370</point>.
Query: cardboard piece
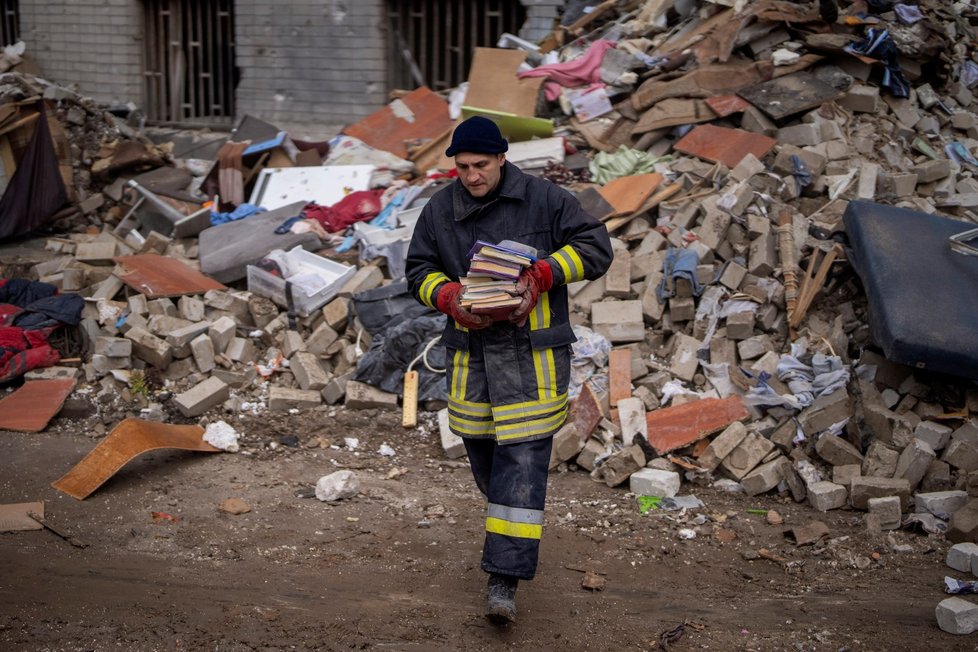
<point>160,276</point>
<point>419,115</point>
<point>628,194</point>
<point>723,145</point>
<point>128,440</point>
<point>493,83</point>
<point>30,408</point>
<point>673,112</point>
<point>786,96</point>
<point>681,425</point>
<point>14,517</point>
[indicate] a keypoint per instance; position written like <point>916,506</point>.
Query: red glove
<point>448,303</point>
<point>533,280</point>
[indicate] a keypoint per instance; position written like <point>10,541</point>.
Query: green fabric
<point>606,166</point>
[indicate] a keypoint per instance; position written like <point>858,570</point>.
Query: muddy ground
<point>397,566</point>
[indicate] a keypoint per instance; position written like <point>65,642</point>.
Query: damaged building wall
<point>95,44</point>
<point>318,61</point>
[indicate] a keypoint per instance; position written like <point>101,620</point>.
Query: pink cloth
<point>586,69</point>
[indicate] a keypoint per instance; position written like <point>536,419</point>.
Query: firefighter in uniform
<point>507,379</point>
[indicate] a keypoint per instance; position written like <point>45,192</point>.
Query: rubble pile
<point>725,148</point>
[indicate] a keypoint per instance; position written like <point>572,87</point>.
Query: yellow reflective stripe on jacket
<point>460,373</point>
<point>570,263</point>
<point>469,427</point>
<point>531,427</point>
<point>529,408</point>
<point>469,408</point>
<point>540,315</point>
<point>509,529</point>
<point>428,287</point>
<point>546,373</point>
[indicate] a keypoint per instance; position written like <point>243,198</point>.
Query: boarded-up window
<point>189,72</point>
<point>431,41</point>
<point>9,21</point>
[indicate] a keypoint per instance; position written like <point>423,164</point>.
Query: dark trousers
<point>513,477</point>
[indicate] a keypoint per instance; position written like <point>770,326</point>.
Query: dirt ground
<point>397,567</point>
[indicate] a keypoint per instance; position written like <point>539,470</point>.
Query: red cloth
<point>21,351</point>
<point>356,207</point>
<point>586,69</point>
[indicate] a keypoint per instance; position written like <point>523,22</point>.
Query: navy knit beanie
<point>477,135</point>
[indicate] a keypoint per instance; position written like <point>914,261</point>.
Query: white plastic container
<point>323,279</point>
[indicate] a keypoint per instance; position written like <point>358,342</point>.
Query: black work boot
<point>501,604</point>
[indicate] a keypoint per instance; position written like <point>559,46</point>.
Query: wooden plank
<point>30,408</point>
<point>628,194</point>
<point>675,427</point>
<point>159,276</point>
<point>619,375</point>
<point>128,440</point>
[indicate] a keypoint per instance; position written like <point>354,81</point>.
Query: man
<point>507,379</point>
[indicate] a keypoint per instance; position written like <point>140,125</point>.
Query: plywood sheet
<point>159,276</point>
<point>674,427</point>
<point>493,83</point>
<point>128,440</point>
<point>629,194</point>
<point>30,408</point>
<point>14,517</point>
<point>421,114</point>
<point>786,96</point>
<point>724,145</point>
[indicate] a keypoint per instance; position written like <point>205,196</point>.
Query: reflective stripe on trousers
<point>514,480</point>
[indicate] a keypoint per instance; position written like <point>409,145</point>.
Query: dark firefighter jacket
<point>531,211</point>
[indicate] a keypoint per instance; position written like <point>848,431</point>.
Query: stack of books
<point>490,286</point>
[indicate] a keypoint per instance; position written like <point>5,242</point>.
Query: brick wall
<point>96,44</point>
<point>311,60</point>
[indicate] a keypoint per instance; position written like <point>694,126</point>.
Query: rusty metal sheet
<point>159,276</point>
<point>724,145</point>
<point>127,441</point>
<point>418,116</point>
<point>724,105</point>
<point>628,194</point>
<point>786,96</point>
<point>674,427</point>
<point>30,408</point>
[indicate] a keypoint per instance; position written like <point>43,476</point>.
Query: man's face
<point>479,173</point>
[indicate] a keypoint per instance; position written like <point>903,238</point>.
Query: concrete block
<point>361,396</point>
<point>181,337</point>
<point>652,308</point>
<point>801,135</point>
<point>930,171</point>
<point>754,347</point>
<point>824,495</point>
<point>868,175</point>
<point>365,278</point>
<point>292,343</point>
<point>190,308</point>
<point>684,363</point>
<point>202,348</point>
<point>654,482</point>
<point>861,98</point>
<point>940,503</point>
<point>938,477</point>
<point>631,414</point>
<point>722,445</point>
<point>957,616</point>
<point>619,466</point>
<point>961,455</point>
<point>452,444</point>
<point>968,432</point>
<point>619,321</point>
<point>566,445</point>
<point>241,350</point>
<point>162,307</point>
<point>337,313</point>
<point>887,509</point>
<point>202,397</point>
<point>746,455</point>
<point>837,451</point>
<point>113,347</point>
<point>308,371</point>
<point>843,474</point>
<point>824,412</point>
<point>865,487</point>
<point>937,435</point>
<point>961,555</point>
<point>221,333</point>
<point>618,278</point>
<point>591,451</point>
<point>762,256</point>
<point>149,348</point>
<point>336,388</point>
<point>321,339</point>
<point>748,167</point>
<point>914,462</point>
<point>281,399</point>
<point>764,478</point>
<point>733,275</point>
<point>103,364</point>
<point>740,325</point>
<point>880,460</point>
